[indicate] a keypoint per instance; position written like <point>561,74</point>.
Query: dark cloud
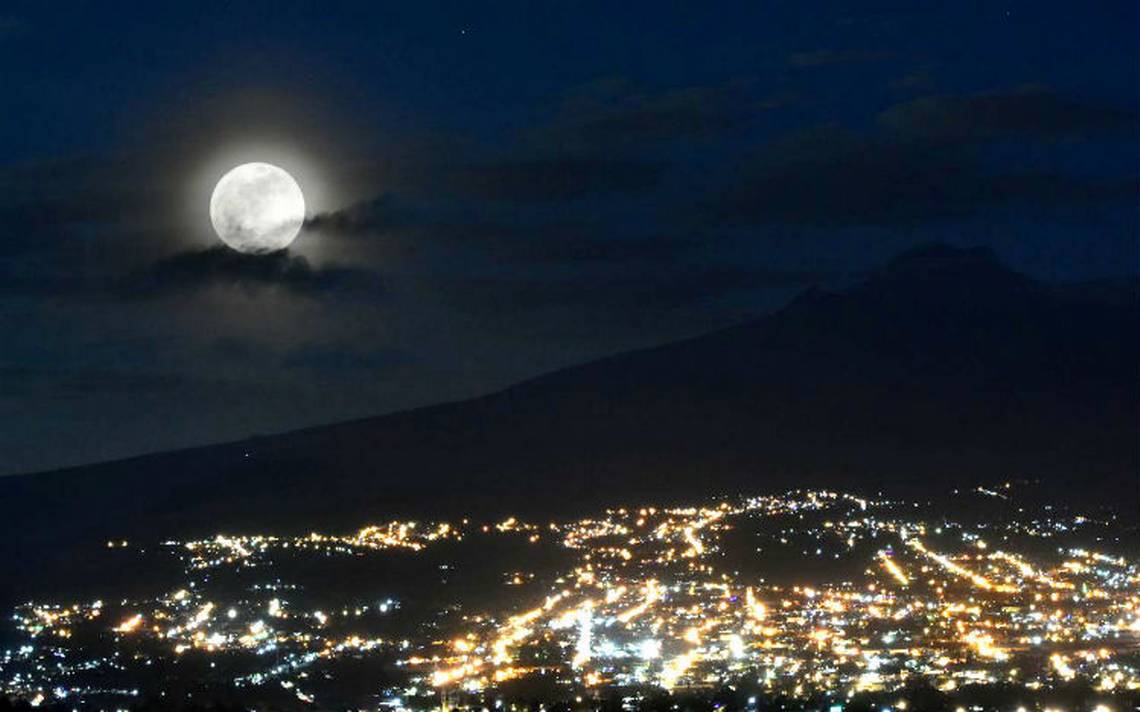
<point>586,244</point>
<point>222,267</point>
<point>1024,113</point>
<point>339,357</point>
<point>10,26</point>
<point>46,204</point>
<point>615,112</point>
<point>555,179</point>
<point>538,234</point>
<point>33,280</point>
<point>645,289</point>
<point>913,80</point>
<point>368,217</point>
<point>562,237</point>
<point>823,57</point>
<point>922,167</point>
<point>578,241</point>
<point>59,215</point>
<point>833,177</point>
<point>81,382</point>
<point>507,180</point>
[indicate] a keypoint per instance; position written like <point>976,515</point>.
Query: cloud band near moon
<point>222,267</point>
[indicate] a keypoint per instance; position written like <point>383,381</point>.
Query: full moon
<point>257,208</point>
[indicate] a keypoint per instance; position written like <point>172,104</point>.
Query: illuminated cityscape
<point>814,596</point>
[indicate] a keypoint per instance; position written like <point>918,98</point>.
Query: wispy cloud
<point>1031,112</point>
<point>824,57</point>
<point>222,267</point>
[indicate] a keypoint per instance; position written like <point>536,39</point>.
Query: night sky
<point>496,191</point>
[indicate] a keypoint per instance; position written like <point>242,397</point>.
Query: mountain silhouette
<point>944,368</point>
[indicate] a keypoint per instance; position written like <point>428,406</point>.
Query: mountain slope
<point>944,368</point>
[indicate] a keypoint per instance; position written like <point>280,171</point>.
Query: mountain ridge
<point>1121,290</point>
